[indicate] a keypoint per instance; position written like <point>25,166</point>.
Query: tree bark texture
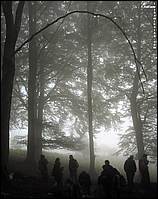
<point>8,72</point>
<point>32,95</point>
<point>40,111</point>
<point>89,93</point>
<point>137,123</point>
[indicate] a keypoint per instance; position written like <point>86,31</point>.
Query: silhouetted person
<point>42,165</point>
<point>109,179</point>
<point>73,166</point>
<point>57,172</point>
<point>130,169</point>
<point>143,168</point>
<point>85,182</point>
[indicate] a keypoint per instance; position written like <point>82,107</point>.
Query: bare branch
<point>137,62</point>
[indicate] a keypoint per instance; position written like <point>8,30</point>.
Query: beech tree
<point>58,75</point>
<point>13,24</point>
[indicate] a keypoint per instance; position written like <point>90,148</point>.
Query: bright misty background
<point>106,145</point>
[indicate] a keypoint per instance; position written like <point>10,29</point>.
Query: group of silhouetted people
<point>110,178</point>
<point>57,171</point>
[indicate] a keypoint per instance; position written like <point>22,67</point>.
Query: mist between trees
<point>78,77</point>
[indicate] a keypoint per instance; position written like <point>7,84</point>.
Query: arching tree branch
<point>137,62</point>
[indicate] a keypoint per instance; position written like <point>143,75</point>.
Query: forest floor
<point>31,187</point>
<point>28,184</point>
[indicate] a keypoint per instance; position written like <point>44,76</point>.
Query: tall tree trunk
<point>137,123</point>
<point>89,92</point>
<point>32,102</point>
<point>6,97</point>
<point>8,71</point>
<point>40,112</point>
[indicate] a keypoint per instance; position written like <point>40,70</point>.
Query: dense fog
<point>79,78</point>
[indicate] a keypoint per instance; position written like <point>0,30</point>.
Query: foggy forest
<point>79,99</point>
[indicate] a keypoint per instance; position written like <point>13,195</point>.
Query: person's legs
<point>146,180</point>
<point>108,190</point>
<point>75,177</point>
<point>88,189</point>
<point>130,181</point>
<point>71,175</point>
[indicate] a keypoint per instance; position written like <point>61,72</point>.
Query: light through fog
<point>107,139</point>
<point>103,139</point>
<point>106,145</point>
<point>79,78</point>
